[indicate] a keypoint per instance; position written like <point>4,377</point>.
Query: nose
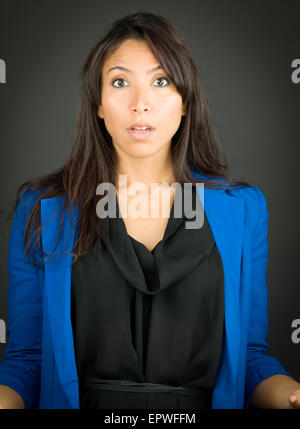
<point>142,109</point>
<point>140,102</point>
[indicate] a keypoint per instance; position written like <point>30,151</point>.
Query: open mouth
<point>140,133</point>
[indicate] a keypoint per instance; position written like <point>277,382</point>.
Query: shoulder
<point>251,197</point>
<point>26,199</point>
<point>28,196</point>
<point>255,204</point>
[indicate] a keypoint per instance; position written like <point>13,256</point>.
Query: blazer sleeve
<point>259,365</point>
<point>21,364</point>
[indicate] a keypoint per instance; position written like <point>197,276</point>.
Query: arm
<point>20,369</point>
<point>268,384</point>
<point>277,392</point>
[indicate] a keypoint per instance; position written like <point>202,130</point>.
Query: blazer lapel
<point>225,215</point>
<point>57,287</point>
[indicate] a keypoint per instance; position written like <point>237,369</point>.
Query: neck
<point>145,175</point>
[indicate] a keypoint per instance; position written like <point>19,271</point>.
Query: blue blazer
<point>39,359</point>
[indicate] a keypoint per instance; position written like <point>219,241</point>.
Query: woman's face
<point>139,95</point>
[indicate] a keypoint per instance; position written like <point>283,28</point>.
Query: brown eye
<point>118,80</point>
<point>163,78</point>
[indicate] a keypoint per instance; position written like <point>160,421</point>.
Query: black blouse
<point>148,326</point>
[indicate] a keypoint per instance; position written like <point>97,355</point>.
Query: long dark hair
<point>92,160</point>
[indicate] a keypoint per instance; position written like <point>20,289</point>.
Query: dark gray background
<point>244,50</point>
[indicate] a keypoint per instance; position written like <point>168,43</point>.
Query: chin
<point>141,153</point>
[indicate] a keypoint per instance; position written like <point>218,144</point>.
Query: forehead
<point>130,52</point>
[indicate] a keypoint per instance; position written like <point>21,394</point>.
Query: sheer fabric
<point>148,326</point>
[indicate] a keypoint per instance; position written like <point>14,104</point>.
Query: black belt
<point>132,386</point>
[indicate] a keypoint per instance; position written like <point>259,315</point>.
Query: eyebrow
<point>125,69</point>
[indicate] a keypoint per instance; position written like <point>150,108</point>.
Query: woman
<point>126,312</point>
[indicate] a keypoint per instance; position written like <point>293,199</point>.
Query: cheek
<point>171,110</point>
<point>111,105</point>
<point>172,104</point>
<point>111,100</point>
<point>173,113</point>
<point>113,111</point>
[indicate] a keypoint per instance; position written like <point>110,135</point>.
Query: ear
<point>183,110</point>
<point>100,112</point>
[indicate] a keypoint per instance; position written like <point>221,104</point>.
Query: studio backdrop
<point>248,54</point>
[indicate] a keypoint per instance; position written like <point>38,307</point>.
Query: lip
<point>140,124</point>
<point>140,135</point>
